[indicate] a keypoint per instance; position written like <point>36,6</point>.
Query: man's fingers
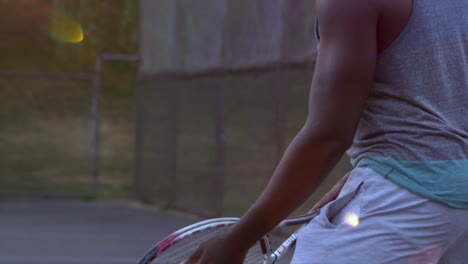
<point>326,199</point>
<point>332,194</point>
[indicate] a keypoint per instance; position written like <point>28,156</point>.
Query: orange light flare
<point>63,27</point>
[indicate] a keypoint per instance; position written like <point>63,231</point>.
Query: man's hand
<point>332,194</point>
<point>219,249</point>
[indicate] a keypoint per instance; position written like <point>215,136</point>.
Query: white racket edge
<point>290,242</point>
<point>264,243</point>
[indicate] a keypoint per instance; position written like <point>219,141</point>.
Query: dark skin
<point>353,33</point>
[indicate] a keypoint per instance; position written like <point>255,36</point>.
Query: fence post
<point>280,119</point>
<point>173,145</point>
<point>96,108</point>
<point>220,121</point>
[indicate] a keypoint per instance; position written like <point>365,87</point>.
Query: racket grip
<point>299,220</point>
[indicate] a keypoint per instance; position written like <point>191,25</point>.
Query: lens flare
<point>351,219</point>
<point>64,28</point>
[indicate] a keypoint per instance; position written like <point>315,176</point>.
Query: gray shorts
<point>376,221</point>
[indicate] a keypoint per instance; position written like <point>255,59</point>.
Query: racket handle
<point>299,220</point>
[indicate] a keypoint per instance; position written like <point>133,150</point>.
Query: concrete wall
<point>196,36</point>
<point>176,140</point>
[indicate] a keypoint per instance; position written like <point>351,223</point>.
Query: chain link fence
<point>68,134</point>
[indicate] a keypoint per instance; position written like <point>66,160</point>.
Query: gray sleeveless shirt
<point>414,129</point>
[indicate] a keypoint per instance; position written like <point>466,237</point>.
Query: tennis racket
<point>181,244</point>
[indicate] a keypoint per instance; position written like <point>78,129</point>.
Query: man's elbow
<point>334,140</point>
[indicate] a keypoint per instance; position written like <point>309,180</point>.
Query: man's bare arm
<point>341,84</point>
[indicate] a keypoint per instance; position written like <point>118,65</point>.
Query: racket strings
<point>187,246</point>
<point>255,255</point>
<point>187,250</point>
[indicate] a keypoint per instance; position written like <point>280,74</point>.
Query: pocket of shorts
<point>332,209</point>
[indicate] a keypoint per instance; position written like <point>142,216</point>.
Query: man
<point>391,87</point>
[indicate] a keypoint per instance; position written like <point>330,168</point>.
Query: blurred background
<point>48,55</point>
<point>165,102</point>
<point>113,112</point>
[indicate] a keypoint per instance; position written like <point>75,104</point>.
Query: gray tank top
<point>414,129</point>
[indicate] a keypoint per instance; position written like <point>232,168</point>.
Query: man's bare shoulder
<point>339,10</point>
<point>341,16</point>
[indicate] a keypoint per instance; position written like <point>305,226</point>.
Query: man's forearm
<point>305,164</point>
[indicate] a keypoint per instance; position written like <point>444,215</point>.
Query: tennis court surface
<point>74,232</point>
<point>78,232</point>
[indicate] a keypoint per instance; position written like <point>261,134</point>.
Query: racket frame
<point>269,257</point>
<point>291,240</point>
<point>180,234</point>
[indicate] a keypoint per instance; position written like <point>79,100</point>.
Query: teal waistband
<point>443,181</point>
